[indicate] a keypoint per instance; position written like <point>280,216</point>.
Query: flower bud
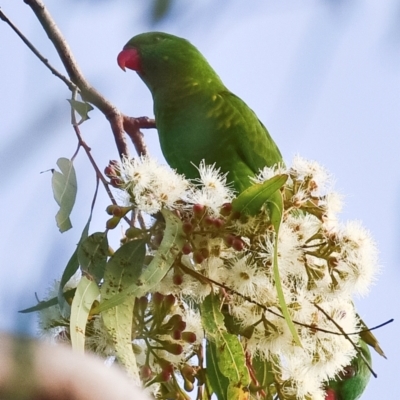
<point>133,232</point>
<point>116,182</point>
<point>187,227</point>
<point>238,244</point>
<point>187,385</point>
<point>198,210</point>
<point>188,372</point>
<point>189,337</point>
<point>110,209</point>
<point>169,301</point>
<point>198,257</point>
<point>208,220</point>
<point>165,365</point>
<point>145,372</point>
<point>109,171</point>
<point>180,325</point>
<point>173,348</point>
<point>226,209</point>
<point>158,298</point>
<point>187,248</point>
<point>177,279</point>
<point>112,222</point>
<point>163,376</point>
<point>142,303</point>
<point>229,238</point>
<point>218,223</point>
<point>176,334</point>
<point>171,323</point>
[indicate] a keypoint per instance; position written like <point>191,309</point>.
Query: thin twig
<point>82,143</point>
<point>359,352</point>
<point>77,79</point>
<point>205,279</point>
<point>88,92</point>
<point>132,127</point>
<point>44,60</point>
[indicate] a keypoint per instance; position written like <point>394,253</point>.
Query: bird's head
<point>163,60</point>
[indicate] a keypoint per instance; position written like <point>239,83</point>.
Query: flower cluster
<point>322,264</point>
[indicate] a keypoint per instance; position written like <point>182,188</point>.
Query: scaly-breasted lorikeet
<point>197,117</point>
<point>353,380</point>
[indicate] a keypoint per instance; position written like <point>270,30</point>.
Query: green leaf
<point>369,338</point>
<point>82,108</point>
<point>170,247</point>
<point>218,382</point>
<point>42,305</point>
<point>275,206</point>
<point>86,293</point>
<point>229,351</point>
<point>92,255</point>
<point>64,189</point>
<point>123,269</point>
<point>265,375</point>
<point>253,198</point>
<point>69,271</point>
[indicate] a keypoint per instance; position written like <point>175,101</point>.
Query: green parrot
<point>197,117</point>
<point>353,380</point>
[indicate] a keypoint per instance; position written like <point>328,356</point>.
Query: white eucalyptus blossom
<point>210,189</point>
<point>150,185</point>
<point>322,263</point>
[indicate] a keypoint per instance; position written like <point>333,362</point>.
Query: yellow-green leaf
<point>370,338</point>
<point>229,351</point>
<point>92,255</point>
<point>123,269</point>
<point>70,269</point>
<point>251,200</point>
<point>275,206</point>
<point>170,247</point>
<point>64,189</point>
<point>86,293</point>
<point>82,108</point>
<point>265,376</point>
<point>42,305</point>
<point>218,382</point>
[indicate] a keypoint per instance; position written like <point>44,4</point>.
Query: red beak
<point>330,395</point>
<point>129,58</point>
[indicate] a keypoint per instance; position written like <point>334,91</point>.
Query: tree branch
<point>88,92</point>
<point>118,121</point>
<point>44,60</point>
<point>132,128</point>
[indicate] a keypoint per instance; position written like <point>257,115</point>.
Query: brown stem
<point>44,60</point>
<point>99,175</point>
<point>346,335</point>
<point>132,128</point>
<point>88,92</point>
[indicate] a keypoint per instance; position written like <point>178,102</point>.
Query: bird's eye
<point>348,372</point>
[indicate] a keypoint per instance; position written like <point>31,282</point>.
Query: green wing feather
<point>220,128</point>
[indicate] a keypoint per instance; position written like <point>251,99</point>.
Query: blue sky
<point>323,76</point>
